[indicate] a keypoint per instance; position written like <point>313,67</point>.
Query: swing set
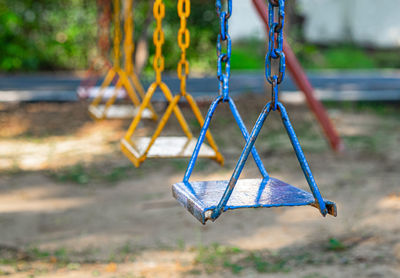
<point>127,78</point>
<point>207,200</point>
<point>139,148</point>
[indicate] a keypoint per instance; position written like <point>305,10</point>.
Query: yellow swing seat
<point>117,111</point>
<point>127,79</point>
<point>138,149</point>
<point>166,147</point>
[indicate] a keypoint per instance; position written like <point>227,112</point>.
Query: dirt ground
<point>71,205</point>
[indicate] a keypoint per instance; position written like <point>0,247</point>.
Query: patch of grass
<point>61,254</point>
<point>126,249</point>
<point>235,268</point>
<point>336,245</point>
<point>181,244</point>
<point>314,275</point>
<point>217,257</point>
<point>13,171</point>
<point>264,265</point>
<point>8,261</point>
<point>347,57</point>
<point>250,55</point>
<point>76,174</point>
<point>377,108</point>
<point>117,174</point>
<point>194,272</point>
<point>83,175</point>
<point>344,56</point>
<point>36,253</point>
<point>364,143</point>
<point>126,253</point>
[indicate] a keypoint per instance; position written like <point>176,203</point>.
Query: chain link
<point>276,18</point>
<point>224,58</point>
<point>183,42</point>
<point>117,33</point>
<point>129,45</point>
<point>158,38</point>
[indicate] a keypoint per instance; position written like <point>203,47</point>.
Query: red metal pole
<point>302,82</point>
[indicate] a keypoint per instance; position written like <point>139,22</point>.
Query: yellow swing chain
<point>158,39</point>
<point>183,42</point>
<point>117,34</point>
<point>129,46</point>
<point>123,77</point>
<point>183,70</point>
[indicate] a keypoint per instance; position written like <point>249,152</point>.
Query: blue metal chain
<point>276,21</point>
<point>224,58</point>
<point>223,94</point>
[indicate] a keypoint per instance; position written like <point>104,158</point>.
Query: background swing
<point>208,199</point>
<point>127,79</point>
<point>137,148</point>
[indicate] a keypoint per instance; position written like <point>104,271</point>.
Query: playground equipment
<point>302,82</point>
<point>208,199</point>
<point>126,77</point>
<point>137,148</point>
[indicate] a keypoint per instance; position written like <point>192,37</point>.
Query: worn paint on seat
<point>200,197</point>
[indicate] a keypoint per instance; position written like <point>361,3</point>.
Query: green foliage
<point>344,57</point>
<point>203,27</point>
<point>248,55</point>
<point>54,35</point>
<point>46,34</point>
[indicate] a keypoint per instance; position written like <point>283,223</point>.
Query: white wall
<point>364,22</point>
<point>245,22</point>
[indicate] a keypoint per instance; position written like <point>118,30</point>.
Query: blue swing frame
<point>206,205</point>
<point>206,200</point>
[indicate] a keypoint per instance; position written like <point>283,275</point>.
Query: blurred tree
<point>46,34</point>
<point>56,35</point>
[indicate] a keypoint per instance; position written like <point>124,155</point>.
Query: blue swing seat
<point>201,197</point>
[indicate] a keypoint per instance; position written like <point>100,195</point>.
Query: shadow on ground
<point>93,214</point>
